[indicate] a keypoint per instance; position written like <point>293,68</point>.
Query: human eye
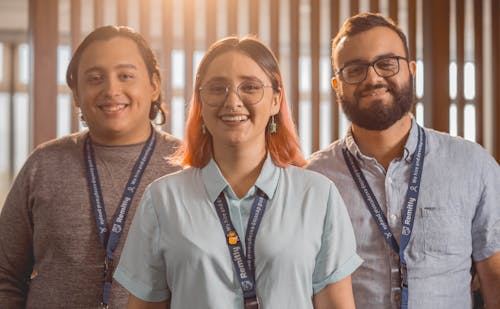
<point>124,76</point>
<point>387,64</point>
<point>94,78</point>
<point>250,87</point>
<point>216,88</point>
<point>354,70</point>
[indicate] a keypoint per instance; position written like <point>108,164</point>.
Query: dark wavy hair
<point>109,32</point>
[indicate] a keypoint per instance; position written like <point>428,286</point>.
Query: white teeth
<point>113,108</point>
<point>235,118</point>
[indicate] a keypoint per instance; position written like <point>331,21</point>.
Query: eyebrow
<point>119,66</point>
<point>362,61</point>
<point>224,79</point>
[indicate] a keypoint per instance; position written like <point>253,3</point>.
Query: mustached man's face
<point>377,102</point>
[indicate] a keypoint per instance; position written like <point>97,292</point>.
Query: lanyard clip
<point>108,269</point>
<point>403,271</point>
<point>252,303</point>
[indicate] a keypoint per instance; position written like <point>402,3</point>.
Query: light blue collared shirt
<point>457,215</point>
<point>176,247</point>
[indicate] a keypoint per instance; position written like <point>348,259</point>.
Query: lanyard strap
<point>244,265</point>
<point>409,210</point>
<point>110,239</point>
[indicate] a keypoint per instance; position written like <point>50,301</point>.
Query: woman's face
<point>115,91</point>
<point>238,117</point>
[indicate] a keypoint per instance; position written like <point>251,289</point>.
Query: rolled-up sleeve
<point>337,257</point>
<point>141,269</point>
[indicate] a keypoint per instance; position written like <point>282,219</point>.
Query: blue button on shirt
<point>176,247</point>
<point>457,216</point>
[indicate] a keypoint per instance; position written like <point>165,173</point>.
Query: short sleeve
<point>337,258</point>
<point>141,269</point>
<point>486,222</point>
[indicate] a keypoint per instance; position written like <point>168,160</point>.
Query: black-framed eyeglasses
<point>356,72</point>
<point>215,93</point>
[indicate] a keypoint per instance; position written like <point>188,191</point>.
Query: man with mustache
<point>424,205</point>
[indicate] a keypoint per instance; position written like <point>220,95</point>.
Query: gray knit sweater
<point>47,225</point>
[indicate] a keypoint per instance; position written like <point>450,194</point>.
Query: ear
<point>156,86</point>
<point>75,99</point>
<point>413,67</point>
<point>276,103</point>
<point>335,83</point>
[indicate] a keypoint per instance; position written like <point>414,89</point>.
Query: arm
<point>488,271</point>
<point>336,295</point>
<point>16,243</point>
<point>137,303</point>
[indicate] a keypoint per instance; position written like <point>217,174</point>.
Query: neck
<point>240,168</point>
<point>384,145</point>
<point>118,139</point>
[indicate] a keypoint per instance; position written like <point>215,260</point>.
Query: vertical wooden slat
<point>412,38</point>
<point>374,6</point>
<point>211,22</point>
<point>254,16</point>
<point>315,83</point>
<point>145,19</point>
<point>478,60</point>
<point>294,59</point>
<point>495,42</point>
<point>13,59</point>
<point>436,39</point>
<point>460,33</point>
<point>354,7</point>
<point>393,10</point>
<point>98,13</point>
<point>43,36</point>
<point>121,12</point>
<point>232,17</point>
<point>334,28</point>
<point>275,27</point>
<point>75,24</point>
<point>188,49</point>
<point>167,38</point>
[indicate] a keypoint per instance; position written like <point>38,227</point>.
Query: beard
<point>378,116</point>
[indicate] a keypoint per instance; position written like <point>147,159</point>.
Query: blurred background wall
<point>456,44</point>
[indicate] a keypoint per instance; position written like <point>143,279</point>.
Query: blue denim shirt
<point>458,216</point>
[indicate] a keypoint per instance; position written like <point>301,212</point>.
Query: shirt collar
<point>215,182</point>
<point>409,149</point>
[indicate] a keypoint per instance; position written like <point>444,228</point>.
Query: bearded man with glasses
<point>424,205</point>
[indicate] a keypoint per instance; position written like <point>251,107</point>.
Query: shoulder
<point>59,149</point>
<point>327,159</point>
<point>307,180</point>
<point>181,180</point>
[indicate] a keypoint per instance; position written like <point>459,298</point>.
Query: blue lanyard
<point>110,239</point>
<point>409,210</point>
<point>244,265</point>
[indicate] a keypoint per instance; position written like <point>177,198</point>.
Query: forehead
<point>233,65</point>
<point>112,52</point>
<point>367,45</point>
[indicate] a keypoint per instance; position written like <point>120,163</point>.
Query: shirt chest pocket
<point>446,232</point>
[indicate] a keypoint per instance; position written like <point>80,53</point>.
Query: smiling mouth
<point>236,118</point>
<point>113,107</point>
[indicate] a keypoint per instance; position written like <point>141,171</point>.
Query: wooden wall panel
<point>460,31</point>
<point>232,17</point>
<point>334,28</point>
<point>495,32</point>
<point>211,22</point>
<point>75,32</point>
<point>98,13</point>
<point>43,36</point>
<point>121,12</point>
<point>436,40</point>
<point>374,6</point>
<point>275,27</point>
<point>315,82</point>
<point>145,19</point>
<point>188,49</point>
<point>167,45</point>
<point>294,59</point>
<point>254,14</point>
<point>393,10</point>
<point>478,60</point>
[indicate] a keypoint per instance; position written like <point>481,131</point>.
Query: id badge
<point>252,303</point>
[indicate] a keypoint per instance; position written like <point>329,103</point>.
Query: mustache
<point>371,87</point>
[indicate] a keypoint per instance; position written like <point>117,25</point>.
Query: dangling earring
<point>203,129</point>
<point>272,126</point>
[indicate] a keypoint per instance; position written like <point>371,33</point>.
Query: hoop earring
<point>272,126</point>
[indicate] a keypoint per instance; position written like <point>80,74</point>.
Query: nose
<point>233,100</point>
<point>112,87</point>
<point>371,75</point>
